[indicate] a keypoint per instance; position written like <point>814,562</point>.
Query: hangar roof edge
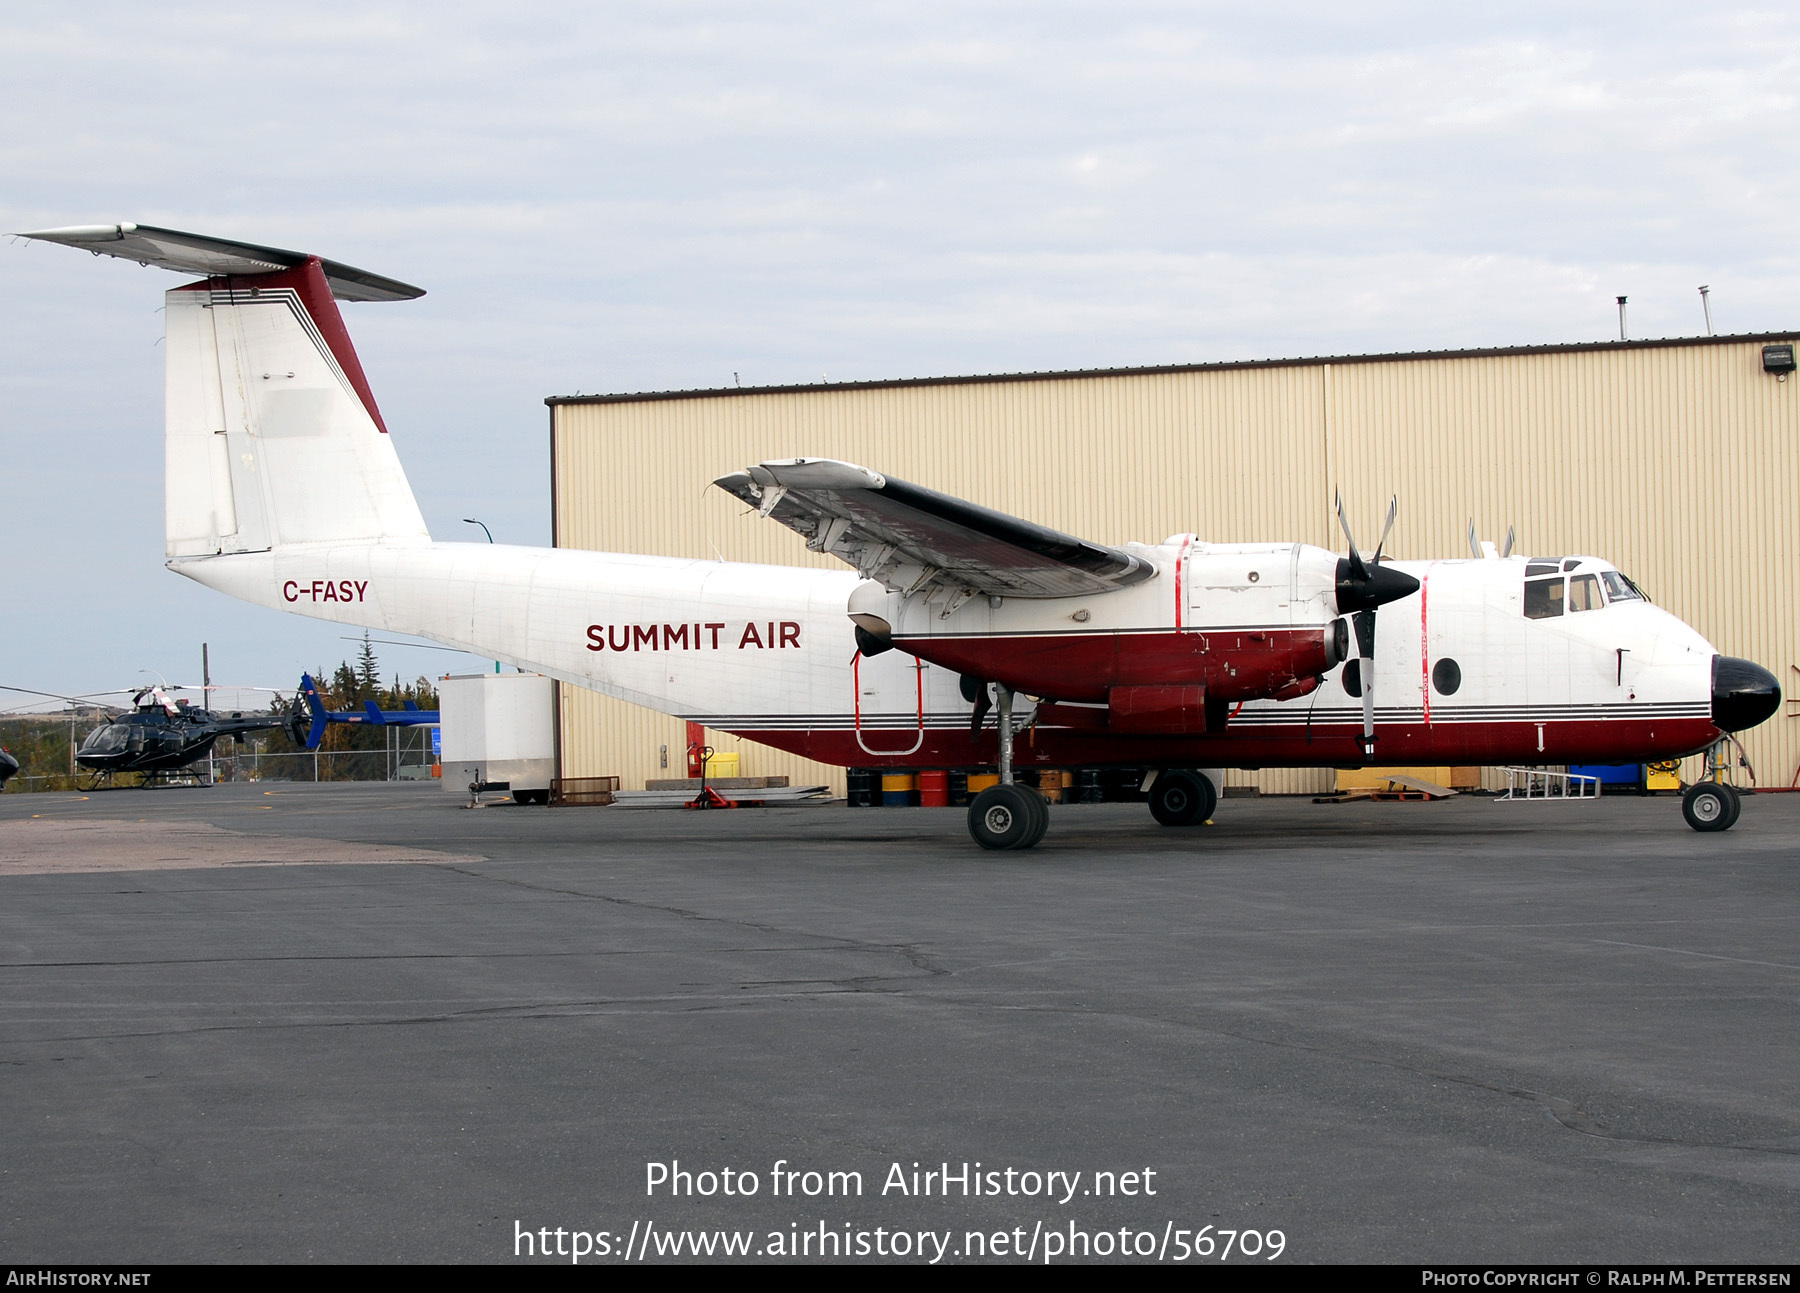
<point>1078,374</point>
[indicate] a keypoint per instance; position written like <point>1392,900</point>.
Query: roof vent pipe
<point>1706,305</point>
<point>1622,318</point>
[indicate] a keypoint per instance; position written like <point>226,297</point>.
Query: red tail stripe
<point>308,283</point>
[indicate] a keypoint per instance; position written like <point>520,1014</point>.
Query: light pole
<point>469,520</point>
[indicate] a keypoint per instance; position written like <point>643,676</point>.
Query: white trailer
<point>499,734</point>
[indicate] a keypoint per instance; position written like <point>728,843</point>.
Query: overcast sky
<point>636,197</point>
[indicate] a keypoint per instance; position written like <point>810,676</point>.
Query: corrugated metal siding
<point>1678,463</point>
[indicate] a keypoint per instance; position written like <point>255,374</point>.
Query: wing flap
<point>914,539</point>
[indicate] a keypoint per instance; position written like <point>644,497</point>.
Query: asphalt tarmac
<point>360,1023</point>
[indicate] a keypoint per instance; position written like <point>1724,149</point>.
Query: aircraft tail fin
<point>272,436</point>
<point>316,707</point>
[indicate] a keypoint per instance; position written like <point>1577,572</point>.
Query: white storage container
<point>499,733</point>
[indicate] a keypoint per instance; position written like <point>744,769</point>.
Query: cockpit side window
<point>1619,588</point>
<point>106,739</point>
<point>1543,598</point>
<point>1584,593</point>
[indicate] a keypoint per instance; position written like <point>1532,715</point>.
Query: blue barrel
<point>899,790</point>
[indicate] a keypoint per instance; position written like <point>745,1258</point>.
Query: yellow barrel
<point>980,781</point>
<point>1050,784</point>
<point>899,789</point>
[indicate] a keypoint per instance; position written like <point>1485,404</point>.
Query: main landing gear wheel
<point>1008,817</point>
<point>1711,806</point>
<point>1182,798</point>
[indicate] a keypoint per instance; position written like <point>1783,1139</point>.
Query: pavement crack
<point>1566,1113</point>
<point>911,951</point>
<point>390,956</point>
<point>682,1002</point>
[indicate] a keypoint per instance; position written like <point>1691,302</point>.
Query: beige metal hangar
<point>1679,460</point>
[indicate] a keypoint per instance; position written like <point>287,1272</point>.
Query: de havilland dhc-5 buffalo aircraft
<point>1183,657</point>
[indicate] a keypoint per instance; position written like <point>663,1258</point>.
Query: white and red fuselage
<point>283,489</point>
<point>768,653</point>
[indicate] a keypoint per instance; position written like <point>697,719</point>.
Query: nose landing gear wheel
<point>1711,806</point>
<point>1008,817</point>
<point>1182,798</point>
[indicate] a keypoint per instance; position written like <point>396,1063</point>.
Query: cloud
<point>651,196</point>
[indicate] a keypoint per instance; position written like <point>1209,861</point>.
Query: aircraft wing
<point>913,539</point>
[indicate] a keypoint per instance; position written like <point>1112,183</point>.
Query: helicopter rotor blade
<point>73,700</point>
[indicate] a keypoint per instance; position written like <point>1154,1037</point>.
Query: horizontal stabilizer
<point>192,253</point>
<point>914,539</point>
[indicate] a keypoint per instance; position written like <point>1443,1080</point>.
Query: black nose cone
<point>1371,586</point>
<point>1743,693</point>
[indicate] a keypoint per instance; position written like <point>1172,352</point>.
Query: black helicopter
<point>158,736</point>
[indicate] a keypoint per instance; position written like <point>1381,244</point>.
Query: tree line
<point>44,744</point>
<point>358,751</point>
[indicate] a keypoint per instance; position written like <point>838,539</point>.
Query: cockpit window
<point>1571,563</point>
<point>1541,567</point>
<point>1584,593</point>
<point>1619,588</point>
<point>1543,598</point>
<point>105,740</point>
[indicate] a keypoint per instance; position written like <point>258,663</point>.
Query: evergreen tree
<point>368,673</point>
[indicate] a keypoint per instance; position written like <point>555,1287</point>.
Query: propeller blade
<point>1364,621</point>
<point>1388,525</point>
<point>1507,550</point>
<point>1474,544</point>
<point>1363,584</point>
<point>1357,569</point>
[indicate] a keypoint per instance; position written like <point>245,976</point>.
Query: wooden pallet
<point>1399,790</point>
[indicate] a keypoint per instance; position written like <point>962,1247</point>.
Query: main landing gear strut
<point>1011,816</point>
<point>1008,816</point>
